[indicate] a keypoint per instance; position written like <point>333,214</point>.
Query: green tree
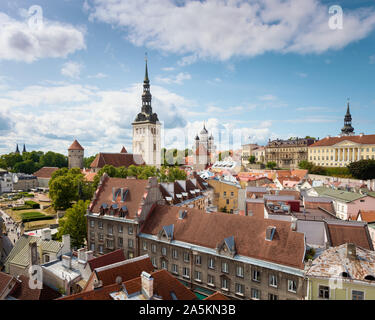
<point>27,166</point>
<point>362,169</point>
<point>75,223</point>
<point>271,165</point>
<point>33,155</point>
<point>304,164</point>
<point>224,209</point>
<point>318,170</point>
<point>108,169</point>
<point>10,160</point>
<point>52,159</point>
<point>87,161</point>
<point>252,159</point>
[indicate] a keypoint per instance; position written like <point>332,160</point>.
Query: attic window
<point>182,214</point>
<point>345,275</point>
<point>270,232</point>
<point>370,277</point>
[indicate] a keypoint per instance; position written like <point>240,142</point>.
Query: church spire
<point>146,71</point>
<point>17,150</point>
<point>347,130</point>
<point>24,148</point>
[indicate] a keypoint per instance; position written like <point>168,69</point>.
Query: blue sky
<point>254,69</point>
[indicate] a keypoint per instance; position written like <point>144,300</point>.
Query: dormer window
<point>270,232</point>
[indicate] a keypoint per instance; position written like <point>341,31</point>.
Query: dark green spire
<point>146,72</point>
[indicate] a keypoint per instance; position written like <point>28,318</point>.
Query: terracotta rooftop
<point>286,248</point>
<point>123,150</point>
<point>45,172</point>
<point>368,216</point>
<point>136,191</point>
<point>117,160</point>
<point>330,141</point>
<point>347,232</point>
<point>216,296</point>
<point>107,259</point>
<point>75,146</point>
<point>165,285</point>
<point>22,291</point>
<point>5,280</point>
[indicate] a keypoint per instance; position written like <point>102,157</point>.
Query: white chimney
<point>294,223</point>
<point>67,262</point>
<point>81,255</point>
<point>89,255</point>
<point>66,244</point>
<point>46,234</point>
<point>147,284</point>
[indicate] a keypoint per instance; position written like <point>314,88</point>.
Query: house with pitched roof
<point>44,175</point>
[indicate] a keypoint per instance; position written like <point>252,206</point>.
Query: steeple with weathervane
<point>347,130</point>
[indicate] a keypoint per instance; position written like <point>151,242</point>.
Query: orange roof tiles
<point>107,259</point>
<point>216,296</point>
<point>75,146</point>
<point>116,160</point>
<point>45,172</point>
<point>330,141</point>
<point>368,216</point>
<point>340,234</point>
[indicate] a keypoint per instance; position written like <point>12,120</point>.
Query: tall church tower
<point>347,130</point>
<point>146,129</point>
<point>75,155</point>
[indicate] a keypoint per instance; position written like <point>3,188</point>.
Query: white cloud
<point>98,76</point>
<point>178,79</point>
<point>221,29</point>
<point>54,40</point>
<point>267,97</point>
<point>168,69</point>
<point>71,69</point>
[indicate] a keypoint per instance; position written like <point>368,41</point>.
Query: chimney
<point>97,284</point>
<point>33,253</point>
<point>81,255</point>
<point>67,262</point>
<point>351,253</point>
<point>89,255</point>
<point>147,284</point>
<point>294,223</point>
<point>46,235</point>
<point>66,244</point>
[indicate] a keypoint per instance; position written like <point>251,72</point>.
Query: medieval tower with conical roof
<point>146,129</point>
<point>75,155</point>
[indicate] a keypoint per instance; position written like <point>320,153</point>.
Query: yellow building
<point>345,272</point>
<point>225,195</point>
<point>341,151</point>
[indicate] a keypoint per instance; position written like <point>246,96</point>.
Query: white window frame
<point>186,272</point>
<point>226,269</point>
<point>175,268</point>
<point>272,280</point>
<point>211,263</point>
<point>290,286</point>
<point>224,280</point>
<point>240,274</point>
<point>242,291</point>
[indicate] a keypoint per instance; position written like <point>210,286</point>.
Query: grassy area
<point>34,225</point>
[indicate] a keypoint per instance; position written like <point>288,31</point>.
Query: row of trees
<point>362,169</point>
<point>29,162</point>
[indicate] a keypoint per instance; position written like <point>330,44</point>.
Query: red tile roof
<point>136,191</point>
<point>287,247</point>
<point>368,216</point>
<point>5,280</point>
<point>127,270</point>
<point>123,150</point>
<point>107,259</point>
<point>117,160</point>
<point>22,291</point>
<point>340,234</point>
<point>75,146</point>
<point>330,141</point>
<point>216,296</point>
<point>164,285</point>
<point>45,172</point>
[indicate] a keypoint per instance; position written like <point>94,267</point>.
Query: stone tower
<point>146,129</point>
<point>75,155</point>
<point>347,130</point>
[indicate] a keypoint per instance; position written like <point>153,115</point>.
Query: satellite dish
<point>15,178</point>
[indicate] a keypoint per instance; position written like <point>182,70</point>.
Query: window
<point>46,258</point>
<point>130,255</point>
<point>232,193</point>
<point>110,244</point>
<point>153,261</point>
<point>100,248</point>
<point>164,251</point>
<point>164,265</point>
<point>144,244</point>
<point>110,229</point>
<point>240,289</point>
<point>153,248</point>
<point>323,292</point>
<point>225,193</point>
<point>120,242</point>
<point>120,229</point>
<point>256,275</point>
<point>227,201</point>
<point>130,243</point>
<point>186,272</point>
<point>100,224</point>
<point>224,267</point>
<point>198,260</point>
<point>239,271</point>
<point>186,257</point>
<point>255,294</point>
<point>92,223</point>
<point>92,235</point>
<point>273,280</point>
<point>272,297</point>
<point>358,295</point>
<point>198,275</point>
<point>211,280</point>
<point>292,286</point>
<point>175,268</point>
<point>224,283</point>
<point>130,229</point>
<point>101,236</point>
<point>92,247</point>
<point>211,263</point>
<point>175,254</point>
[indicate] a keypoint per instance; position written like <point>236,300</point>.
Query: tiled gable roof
<point>216,296</point>
<point>5,280</point>
<point>368,216</point>
<point>287,248</point>
<point>107,259</point>
<point>117,160</point>
<point>45,172</point>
